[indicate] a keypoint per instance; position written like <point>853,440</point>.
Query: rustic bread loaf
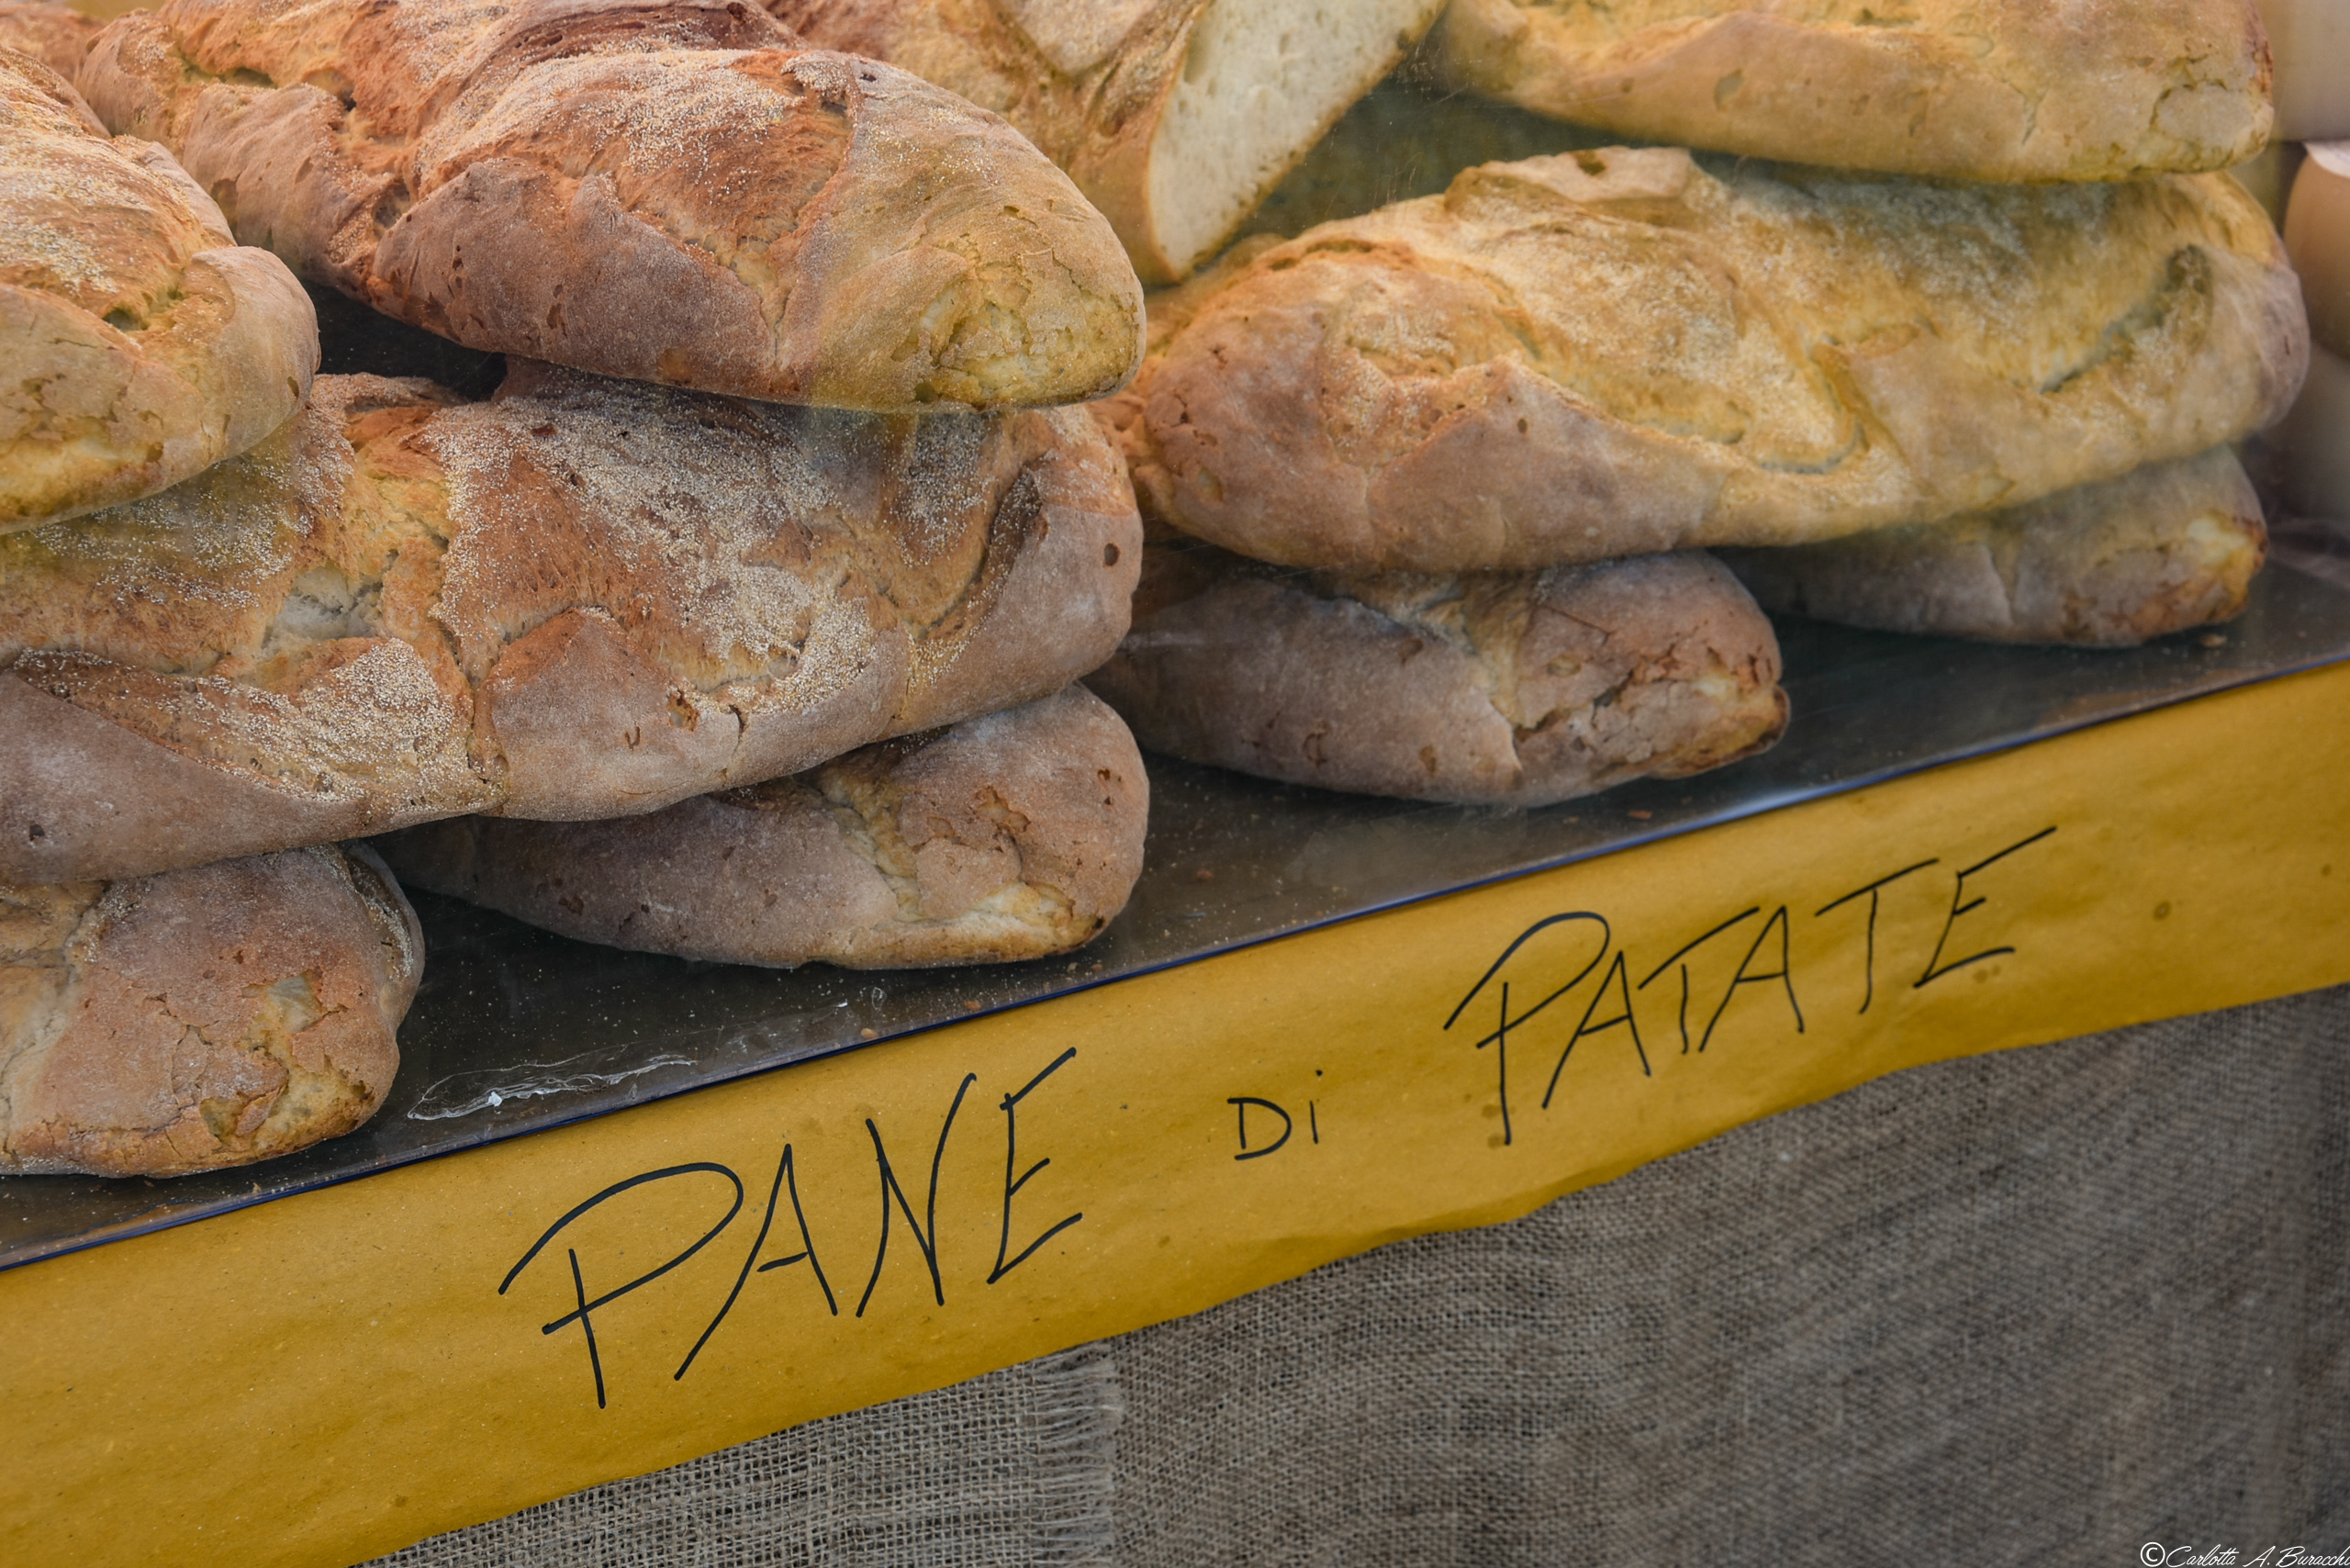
<point>2173,545</point>
<point>1613,352</point>
<point>1175,116</point>
<point>158,1026</point>
<point>669,190</point>
<point>1011,836</point>
<point>140,342</point>
<point>57,36</point>
<point>2004,90</point>
<point>582,599</point>
<point>1512,689</point>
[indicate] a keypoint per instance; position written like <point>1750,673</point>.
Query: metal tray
<point>516,1030</point>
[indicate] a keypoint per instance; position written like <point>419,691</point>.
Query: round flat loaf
<point>142,344</point>
<point>58,35</point>
<point>672,192</point>
<point>1618,353</point>
<point>584,598</point>
<point>1175,116</point>
<point>2013,91</point>
<point>159,1025</point>
<point>1504,688</point>
<point>2171,546</point>
<point>1015,836</point>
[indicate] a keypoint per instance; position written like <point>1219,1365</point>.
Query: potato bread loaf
<point>2169,546</point>
<point>1602,353</point>
<point>141,343</point>
<point>158,1026</point>
<point>2004,90</point>
<point>581,599</point>
<point>669,190</point>
<point>1505,688</point>
<point>1014,835</point>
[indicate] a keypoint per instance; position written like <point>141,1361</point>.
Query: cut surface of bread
<point>1261,81</point>
<point>581,599</point>
<point>1506,689</point>
<point>141,343</point>
<point>2171,546</point>
<point>2001,90</point>
<point>1175,117</point>
<point>204,1018</point>
<point>1612,352</point>
<point>669,191</point>
<point>57,36</point>
<point>1014,835</point>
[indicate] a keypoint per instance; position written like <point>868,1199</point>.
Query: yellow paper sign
<point>331,1376</point>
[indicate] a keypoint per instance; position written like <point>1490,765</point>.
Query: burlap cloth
<point>2038,1307</point>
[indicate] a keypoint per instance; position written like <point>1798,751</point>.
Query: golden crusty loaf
<point>140,343</point>
<point>669,190</point>
<point>1174,117</point>
<point>2110,565</point>
<point>2004,90</point>
<point>581,599</point>
<point>158,1026</point>
<point>1015,836</point>
<point>57,36</point>
<point>1510,688</point>
<point>1613,353</point>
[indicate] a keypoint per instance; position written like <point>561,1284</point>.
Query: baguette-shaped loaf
<point>58,35</point>
<point>1015,836</point>
<point>1616,352</point>
<point>2001,90</point>
<point>1175,116</point>
<point>582,599</point>
<point>668,191</point>
<point>1506,688</point>
<point>2110,565</point>
<point>139,343</point>
<point>158,1026</point>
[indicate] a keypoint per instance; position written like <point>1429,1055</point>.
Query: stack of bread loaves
<point>739,620</point>
<point>1427,483</point>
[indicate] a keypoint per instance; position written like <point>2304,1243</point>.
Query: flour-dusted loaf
<point>139,343</point>
<point>1612,352</point>
<point>2110,565</point>
<point>669,190</point>
<point>581,599</point>
<point>2004,90</point>
<point>157,1026</point>
<point>58,35</point>
<point>1509,688</point>
<point>1175,116</point>
<point>1015,836</point>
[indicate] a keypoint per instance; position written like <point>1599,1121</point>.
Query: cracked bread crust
<point>142,344</point>
<point>1620,352</point>
<point>1502,689</point>
<point>2009,91</point>
<point>580,598</point>
<point>56,35</point>
<point>1015,836</point>
<point>668,192</point>
<point>2171,546</point>
<point>205,1018</point>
